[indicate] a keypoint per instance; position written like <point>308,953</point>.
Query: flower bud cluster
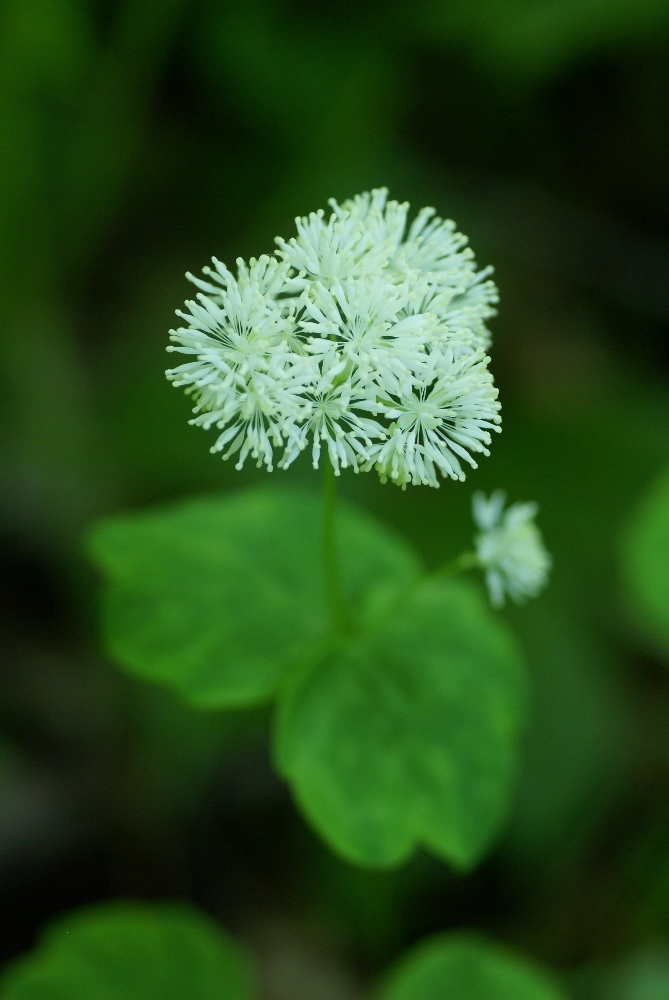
<point>358,336</point>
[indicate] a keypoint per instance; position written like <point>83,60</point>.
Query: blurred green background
<point>139,138</point>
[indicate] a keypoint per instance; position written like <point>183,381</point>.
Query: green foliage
<point>216,597</point>
<point>533,40</point>
<point>401,732</point>
<point>114,179</point>
<point>580,686</point>
<point>643,975</point>
<point>407,734</point>
<point>178,749</point>
<point>466,968</point>
<point>131,951</point>
<point>646,558</point>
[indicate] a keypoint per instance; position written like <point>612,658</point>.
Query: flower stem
<point>333,585</point>
<point>468,560</point>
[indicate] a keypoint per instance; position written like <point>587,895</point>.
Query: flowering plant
<point>369,340</point>
<point>398,696</point>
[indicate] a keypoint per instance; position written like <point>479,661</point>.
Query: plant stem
<point>333,585</point>
<point>467,560</point>
<point>463,562</point>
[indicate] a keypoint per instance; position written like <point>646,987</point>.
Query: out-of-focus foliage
<point>470,969</point>
<point>129,951</point>
<point>647,558</point>
<point>530,41</point>
<point>123,951</point>
<point>642,976</point>
<point>224,601</point>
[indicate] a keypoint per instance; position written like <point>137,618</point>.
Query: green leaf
<point>646,557</point>
<point>465,967</point>
<point>216,597</point>
<point>131,951</point>
<point>408,735</point>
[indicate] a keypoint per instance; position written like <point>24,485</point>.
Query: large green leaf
<point>131,951</point>
<point>467,968</point>
<point>216,596</point>
<point>407,735</point>
<point>646,556</point>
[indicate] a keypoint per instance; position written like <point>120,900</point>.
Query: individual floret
<point>335,418</point>
<point>442,418</point>
<point>246,380</point>
<point>330,251</point>
<point>363,317</point>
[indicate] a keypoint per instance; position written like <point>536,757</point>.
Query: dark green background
<point>139,138</point>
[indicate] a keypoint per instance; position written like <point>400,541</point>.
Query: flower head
<point>358,336</point>
<point>509,548</point>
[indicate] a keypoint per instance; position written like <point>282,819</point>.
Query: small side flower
<point>509,548</point>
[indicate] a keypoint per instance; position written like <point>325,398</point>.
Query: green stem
<point>333,585</point>
<point>467,560</point>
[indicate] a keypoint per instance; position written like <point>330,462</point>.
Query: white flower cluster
<point>358,336</point>
<point>509,548</point>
